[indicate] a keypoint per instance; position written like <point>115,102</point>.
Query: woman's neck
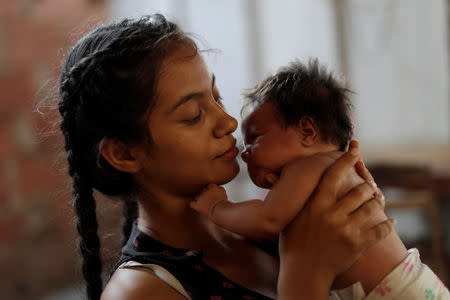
<point>169,219</point>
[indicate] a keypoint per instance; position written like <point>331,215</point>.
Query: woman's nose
<point>246,154</point>
<point>226,124</point>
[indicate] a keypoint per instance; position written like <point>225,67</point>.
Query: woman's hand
<point>327,236</point>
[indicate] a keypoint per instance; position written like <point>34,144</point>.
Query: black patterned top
<point>201,281</point>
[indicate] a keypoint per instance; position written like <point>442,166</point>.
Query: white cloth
<point>409,280</point>
<point>159,271</point>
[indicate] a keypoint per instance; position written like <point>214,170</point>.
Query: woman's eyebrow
<point>186,98</point>
<point>191,96</point>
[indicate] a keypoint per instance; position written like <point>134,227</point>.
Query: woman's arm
<point>326,238</point>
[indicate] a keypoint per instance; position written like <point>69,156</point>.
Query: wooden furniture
<point>424,173</point>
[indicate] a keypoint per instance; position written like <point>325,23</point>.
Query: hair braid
<point>84,206</point>
<point>107,86</point>
<point>89,243</point>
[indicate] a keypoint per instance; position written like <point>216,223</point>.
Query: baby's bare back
<point>377,261</point>
<point>306,172</point>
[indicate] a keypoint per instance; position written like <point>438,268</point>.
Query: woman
<point>142,119</point>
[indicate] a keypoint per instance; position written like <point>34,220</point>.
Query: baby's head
<point>299,111</point>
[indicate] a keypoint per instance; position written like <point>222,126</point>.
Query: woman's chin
<point>230,174</point>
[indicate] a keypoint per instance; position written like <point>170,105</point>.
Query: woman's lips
<point>229,154</point>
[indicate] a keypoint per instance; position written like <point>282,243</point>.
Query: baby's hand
<point>209,197</point>
<point>271,179</point>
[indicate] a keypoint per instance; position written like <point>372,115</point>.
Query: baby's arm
<point>257,219</point>
<point>245,218</point>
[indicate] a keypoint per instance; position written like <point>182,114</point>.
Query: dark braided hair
<point>106,91</point>
<point>308,90</point>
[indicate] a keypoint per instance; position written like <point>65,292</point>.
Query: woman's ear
<point>308,131</point>
<point>119,155</point>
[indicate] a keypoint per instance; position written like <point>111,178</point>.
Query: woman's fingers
<point>333,177</point>
<point>376,233</point>
<point>365,212</point>
<point>381,199</point>
<point>363,172</point>
<point>355,198</point>
<point>353,144</point>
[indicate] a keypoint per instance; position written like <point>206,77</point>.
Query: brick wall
<point>38,250</point>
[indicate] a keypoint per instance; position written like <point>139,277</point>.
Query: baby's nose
<point>246,154</point>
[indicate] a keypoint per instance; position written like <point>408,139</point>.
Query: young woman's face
<point>192,142</point>
<point>268,145</point>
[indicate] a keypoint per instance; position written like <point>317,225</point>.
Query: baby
<point>297,123</point>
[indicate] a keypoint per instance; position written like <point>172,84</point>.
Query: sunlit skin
<point>290,161</point>
<point>269,146</point>
<point>189,131</point>
<point>287,159</point>
<point>192,146</point>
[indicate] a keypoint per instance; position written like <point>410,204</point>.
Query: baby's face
<point>268,146</point>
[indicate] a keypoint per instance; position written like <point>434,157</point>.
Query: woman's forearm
<point>297,280</point>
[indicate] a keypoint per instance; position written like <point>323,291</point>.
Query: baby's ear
<point>308,131</point>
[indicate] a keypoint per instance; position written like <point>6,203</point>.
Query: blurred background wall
<point>393,53</point>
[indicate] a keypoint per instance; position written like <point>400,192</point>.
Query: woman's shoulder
<point>130,284</point>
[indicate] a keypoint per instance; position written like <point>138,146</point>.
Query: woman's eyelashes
<point>216,96</point>
<point>198,117</point>
<point>219,99</point>
<point>195,119</point>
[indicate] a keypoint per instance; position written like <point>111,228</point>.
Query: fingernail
<point>354,151</point>
<point>380,200</point>
<point>371,183</point>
